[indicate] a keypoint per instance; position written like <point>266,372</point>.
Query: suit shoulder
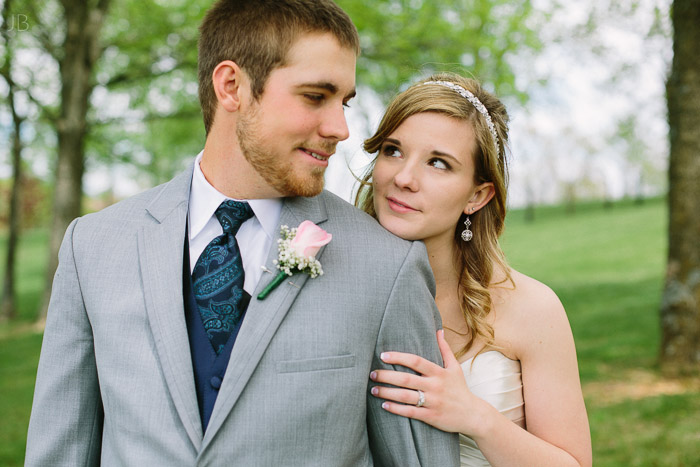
<point>125,210</point>
<point>361,226</point>
<point>159,200</point>
<point>341,211</point>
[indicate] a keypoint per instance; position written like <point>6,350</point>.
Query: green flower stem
<point>279,278</point>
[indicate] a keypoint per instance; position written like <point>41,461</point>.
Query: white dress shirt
<point>254,237</point>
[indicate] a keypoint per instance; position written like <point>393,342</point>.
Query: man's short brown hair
<point>257,34</point>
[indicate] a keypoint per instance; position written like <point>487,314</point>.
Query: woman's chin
<point>401,231</point>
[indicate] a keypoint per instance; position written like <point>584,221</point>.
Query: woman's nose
<point>406,178</point>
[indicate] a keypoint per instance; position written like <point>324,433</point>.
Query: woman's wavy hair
<point>479,258</point>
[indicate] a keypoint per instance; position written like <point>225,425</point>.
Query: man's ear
<point>231,85</point>
<point>482,196</point>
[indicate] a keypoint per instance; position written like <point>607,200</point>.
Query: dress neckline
<point>484,353</point>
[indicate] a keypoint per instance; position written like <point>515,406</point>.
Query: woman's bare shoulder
<point>527,312</point>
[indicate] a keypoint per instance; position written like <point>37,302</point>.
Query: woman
<point>510,383</point>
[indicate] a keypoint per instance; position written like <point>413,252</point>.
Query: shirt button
<point>215,382</point>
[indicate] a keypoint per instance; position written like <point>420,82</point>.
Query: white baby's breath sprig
<point>291,258</point>
<point>289,261</point>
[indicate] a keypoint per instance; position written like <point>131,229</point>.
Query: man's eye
<point>314,97</point>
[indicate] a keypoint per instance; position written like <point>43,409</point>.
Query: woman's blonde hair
<point>479,258</point>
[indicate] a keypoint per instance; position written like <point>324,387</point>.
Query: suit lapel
<point>161,256</point>
<point>263,317</point>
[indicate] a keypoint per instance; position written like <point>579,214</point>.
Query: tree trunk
<point>680,307</point>
<point>8,297</point>
<point>81,50</point>
<point>8,306</point>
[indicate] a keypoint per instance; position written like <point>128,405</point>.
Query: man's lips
<point>400,206</point>
<point>317,154</point>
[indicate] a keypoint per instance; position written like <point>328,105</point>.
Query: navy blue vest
<point>209,368</point>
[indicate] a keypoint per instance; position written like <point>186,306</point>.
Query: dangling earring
<point>466,233</point>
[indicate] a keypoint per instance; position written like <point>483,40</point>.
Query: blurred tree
<point>146,109</point>
<point>606,62</point>
<point>680,307</point>
<point>81,21</point>
<point>637,156</point>
<point>120,74</point>
<point>7,296</point>
<point>404,39</point>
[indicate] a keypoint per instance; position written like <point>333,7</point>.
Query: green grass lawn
<point>20,343</point>
<point>607,267</point>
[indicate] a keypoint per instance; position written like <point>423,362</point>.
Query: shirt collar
<point>205,199</point>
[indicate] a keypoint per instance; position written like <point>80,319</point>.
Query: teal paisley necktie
<point>218,277</point>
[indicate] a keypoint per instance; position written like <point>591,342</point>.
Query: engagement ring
<point>421,398</point>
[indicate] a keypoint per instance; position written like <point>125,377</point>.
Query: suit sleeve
<point>65,427</point>
<point>410,322</point>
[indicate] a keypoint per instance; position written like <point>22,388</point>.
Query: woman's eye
<point>391,151</point>
<point>439,164</point>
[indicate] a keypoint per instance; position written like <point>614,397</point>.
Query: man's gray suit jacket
<point>115,383</point>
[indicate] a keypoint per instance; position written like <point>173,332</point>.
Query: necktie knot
<point>232,214</point>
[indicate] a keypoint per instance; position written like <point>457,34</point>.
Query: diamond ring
<point>421,398</point>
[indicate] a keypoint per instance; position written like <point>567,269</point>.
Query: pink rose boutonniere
<point>297,253</point>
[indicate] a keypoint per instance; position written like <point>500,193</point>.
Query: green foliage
<point>146,110</point>
<point>404,39</point>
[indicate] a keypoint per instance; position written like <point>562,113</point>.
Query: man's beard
<point>275,169</point>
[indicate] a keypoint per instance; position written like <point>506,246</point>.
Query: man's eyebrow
<point>330,87</point>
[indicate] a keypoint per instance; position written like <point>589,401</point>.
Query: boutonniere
<point>297,253</point>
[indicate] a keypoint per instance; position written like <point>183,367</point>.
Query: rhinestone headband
<point>475,102</point>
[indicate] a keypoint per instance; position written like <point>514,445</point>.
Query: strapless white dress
<point>496,379</point>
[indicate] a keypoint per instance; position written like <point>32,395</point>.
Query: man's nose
<point>335,125</point>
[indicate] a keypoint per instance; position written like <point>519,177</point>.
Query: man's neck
<point>227,170</point>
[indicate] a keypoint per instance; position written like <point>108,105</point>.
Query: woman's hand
<point>448,404</point>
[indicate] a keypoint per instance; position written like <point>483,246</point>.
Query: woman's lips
<point>400,206</point>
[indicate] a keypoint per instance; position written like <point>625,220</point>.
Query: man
<point>154,356</point>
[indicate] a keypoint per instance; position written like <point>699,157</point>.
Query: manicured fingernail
<point>373,375</point>
<point>384,356</point>
<point>375,391</point>
<point>385,405</point>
